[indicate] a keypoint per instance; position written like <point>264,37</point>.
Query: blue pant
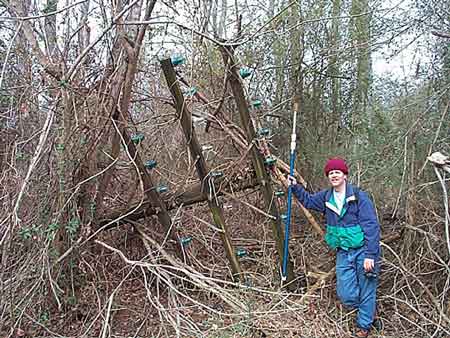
<point>354,288</point>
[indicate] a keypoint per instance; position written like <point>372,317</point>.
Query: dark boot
<point>377,324</point>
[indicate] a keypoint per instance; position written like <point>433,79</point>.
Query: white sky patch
<point>400,57</point>
<point>404,59</point>
<point>401,65</point>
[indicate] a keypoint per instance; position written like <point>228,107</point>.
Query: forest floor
<point>112,298</point>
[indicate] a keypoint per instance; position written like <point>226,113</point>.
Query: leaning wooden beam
<point>280,166</point>
<point>284,167</point>
<point>257,158</point>
<point>202,170</point>
<point>189,196</point>
<point>280,178</point>
<point>215,117</point>
<point>156,203</point>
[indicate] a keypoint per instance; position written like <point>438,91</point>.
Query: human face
<point>337,179</point>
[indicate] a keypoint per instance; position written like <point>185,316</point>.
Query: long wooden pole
<point>200,164</point>
<point>257,159</point>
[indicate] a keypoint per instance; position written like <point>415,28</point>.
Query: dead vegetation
<point>92,244</point>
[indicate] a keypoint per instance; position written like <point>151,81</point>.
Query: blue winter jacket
<point>356,226</point>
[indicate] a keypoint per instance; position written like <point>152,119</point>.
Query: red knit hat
<point>336,163</point>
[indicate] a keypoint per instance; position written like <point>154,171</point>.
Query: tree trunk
<point>361,41</point>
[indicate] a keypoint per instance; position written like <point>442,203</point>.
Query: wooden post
<point>156,203</point>
<point>200,164</point>
<point>257,158</point>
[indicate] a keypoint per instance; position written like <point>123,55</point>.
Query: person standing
<point>352,229</point>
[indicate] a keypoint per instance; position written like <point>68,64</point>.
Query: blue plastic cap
<point>270,161</point>
<point>256,103</point>
<point>216,173</point>
<point>150,164</point>
<point>186,240</point>
<point>137,138</point>
<point>241,252</point>
<point>264,132</point>
<point>161,189</point>
<point>177,60</point>
<point>191,91</point>
<point>245,72</point>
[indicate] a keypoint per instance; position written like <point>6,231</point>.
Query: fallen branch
<point>193,276</point>
<point>427,291</point>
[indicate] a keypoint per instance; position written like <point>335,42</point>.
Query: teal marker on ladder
<point>289,202</point>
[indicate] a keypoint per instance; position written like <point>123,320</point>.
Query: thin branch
<point>27,18</point>
<point>441,34</point>
<point>34,161</point>
<point>71,73</point>
<point>8,53</point>
<point>447,216</point>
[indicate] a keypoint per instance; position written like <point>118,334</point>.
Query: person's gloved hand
<point>291,180</point>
